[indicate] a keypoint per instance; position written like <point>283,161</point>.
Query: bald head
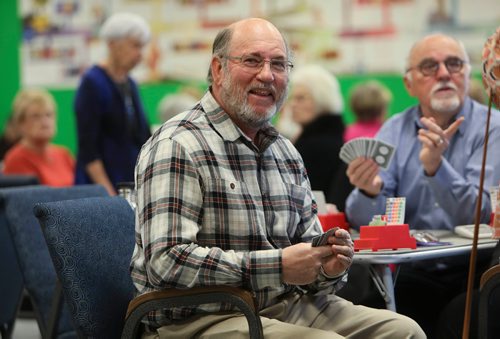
<point>243,31</point>
<point>435,42</point>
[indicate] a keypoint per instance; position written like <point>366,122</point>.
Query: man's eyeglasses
<point>254,63</point>
<point>429,67</point>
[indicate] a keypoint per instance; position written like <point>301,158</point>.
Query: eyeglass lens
<point>431,66</point>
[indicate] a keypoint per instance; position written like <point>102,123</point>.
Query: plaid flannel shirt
<point>213,208</point>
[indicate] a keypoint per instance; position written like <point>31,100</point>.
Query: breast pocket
<point>290,212</point>
<point>230,214</point>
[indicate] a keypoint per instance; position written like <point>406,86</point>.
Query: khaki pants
<point>300,316</point>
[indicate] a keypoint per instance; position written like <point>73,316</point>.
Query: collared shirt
<point>213,208</point>
<point>448,198</point>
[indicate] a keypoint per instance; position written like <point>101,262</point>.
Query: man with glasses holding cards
<point>223,199</point>
<point>436,167</point>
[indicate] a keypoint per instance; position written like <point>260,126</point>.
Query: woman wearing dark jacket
<point>316,105</point>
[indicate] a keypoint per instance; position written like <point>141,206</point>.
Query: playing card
<point>381,152</point>
<point>322,239</point>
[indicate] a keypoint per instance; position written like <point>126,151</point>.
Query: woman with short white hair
<point>112,125</point>
<point>316,104</point>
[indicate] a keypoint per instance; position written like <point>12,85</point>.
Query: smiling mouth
<point>262,92</point>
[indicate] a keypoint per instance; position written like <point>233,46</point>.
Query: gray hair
<point>324,88</point>
<point>173,104</point>
<point>124,25</point>
<point>220,48</point>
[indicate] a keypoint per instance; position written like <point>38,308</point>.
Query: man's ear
<point>216,67</point>
<point>408,82</point>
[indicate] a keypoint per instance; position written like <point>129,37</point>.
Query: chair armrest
<point>490,280</point>
<point>237,297</point>
<point>492,274</point>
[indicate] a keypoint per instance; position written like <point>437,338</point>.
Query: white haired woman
<point>316,104</point>
<point>111,122</point>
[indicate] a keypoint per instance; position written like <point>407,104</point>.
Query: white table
<point>379,260</point>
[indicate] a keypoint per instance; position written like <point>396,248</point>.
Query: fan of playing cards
<point>381,152</point>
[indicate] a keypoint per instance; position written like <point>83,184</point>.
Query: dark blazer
<point>105,131</point>
<point>319,145</point>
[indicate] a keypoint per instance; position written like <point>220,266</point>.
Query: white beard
<point>445,105</point>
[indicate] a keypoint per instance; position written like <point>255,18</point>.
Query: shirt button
<point>232,185</point>
<point>436,204</point>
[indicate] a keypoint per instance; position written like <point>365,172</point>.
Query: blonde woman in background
<point>369,101</point>
<point>34,113</point>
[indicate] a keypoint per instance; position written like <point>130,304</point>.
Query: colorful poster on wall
<point>60,37</point>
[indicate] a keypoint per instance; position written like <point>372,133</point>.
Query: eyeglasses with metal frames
<point>255,63</point>
<point>429,67</point>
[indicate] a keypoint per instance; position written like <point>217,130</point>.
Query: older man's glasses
<point>429,67</point>
<point>254,63</point>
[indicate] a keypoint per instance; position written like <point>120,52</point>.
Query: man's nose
<point>442,71</point>
<point>266,74</point>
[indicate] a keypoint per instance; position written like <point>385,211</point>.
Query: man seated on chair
<point>436,166</point>
<point>223,199</point>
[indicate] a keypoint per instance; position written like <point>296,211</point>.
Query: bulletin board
<point>59,37</point>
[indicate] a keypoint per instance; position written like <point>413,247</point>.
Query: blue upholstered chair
<point>91,243</point>
<point>11,281</point>
<point>35,264</point>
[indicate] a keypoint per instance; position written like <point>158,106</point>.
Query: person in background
<point>316,105</point>
<point>111,123</point>
<point>34,114</point>
<point>369,102</point>
<point>224,199</point>
<point>173,104</point>
<point>9,138</point>
<point>436,166</point>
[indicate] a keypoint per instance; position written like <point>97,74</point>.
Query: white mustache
<point>441,85</point>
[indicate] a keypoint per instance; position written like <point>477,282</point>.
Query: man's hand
<point>301,263</point>
<point>342,249</point>
<point>435,141</point>
<point>363,173</point>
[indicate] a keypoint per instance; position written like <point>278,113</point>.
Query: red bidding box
<point>492,218</point>
<point>389,237</point>
<point>332,220</point>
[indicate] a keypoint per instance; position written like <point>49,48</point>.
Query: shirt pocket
<point>230,215</point>
<point>294,211</point>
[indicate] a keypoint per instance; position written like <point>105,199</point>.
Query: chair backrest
<point>11,288</point>
<point>39,277</point>
<point>91,243</point>
<point>17,180</point>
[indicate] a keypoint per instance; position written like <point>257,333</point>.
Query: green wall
<point>10,38</point>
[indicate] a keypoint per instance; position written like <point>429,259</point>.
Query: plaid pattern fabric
<point>213,208</point>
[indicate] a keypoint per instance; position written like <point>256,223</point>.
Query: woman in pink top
<point>369,102</point>
<point>35,116</point>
